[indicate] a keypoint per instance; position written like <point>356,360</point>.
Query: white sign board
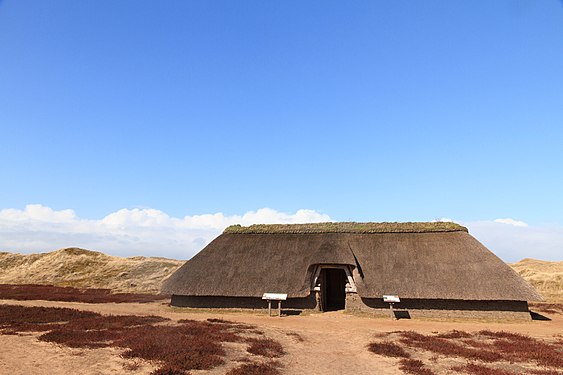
<point>275,296</point>
<point>391,299</point>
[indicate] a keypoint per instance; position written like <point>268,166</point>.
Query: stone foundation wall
<point>213,302</point>
<point>436,308</point>
<point>407,308</point>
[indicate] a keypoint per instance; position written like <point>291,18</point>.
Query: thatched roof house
<point>430,266</point>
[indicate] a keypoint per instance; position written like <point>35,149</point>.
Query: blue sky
<point>371,111</point>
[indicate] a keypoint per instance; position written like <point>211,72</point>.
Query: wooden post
<point>269,307</point>
<point>279,309</point>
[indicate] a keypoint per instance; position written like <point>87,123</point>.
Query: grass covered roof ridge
<point>347,227</point>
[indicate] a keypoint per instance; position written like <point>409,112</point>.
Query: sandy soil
<point>334,343</point>
<point>26,355</point>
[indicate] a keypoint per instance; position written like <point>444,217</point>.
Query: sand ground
<point>333,343</point>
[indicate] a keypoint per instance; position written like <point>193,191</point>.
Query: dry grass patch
<point>545,276</point>
<point>547,308</point>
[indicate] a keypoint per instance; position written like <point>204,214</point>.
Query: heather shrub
<point>235,326</point>
<point>477,369</point>
<point>265,347</point>
<point>254,369</point>
<point>12,314</point>
<point>388,349</point>
<point>504,335</point>
<point>446,347</point>
<point>414,366</point>
<point>174,345</point>
<point>69,294</point>
<point>454,334</point>
<point>487,346</point>
<point>180,347</point>
<point>169,370</point>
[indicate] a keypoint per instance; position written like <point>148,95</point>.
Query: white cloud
<point>513,240</point>
<point>147,231</point>
<point>509,221</point>
<point>444,220</point>
<point>37,212</point>
<point>128,232</point>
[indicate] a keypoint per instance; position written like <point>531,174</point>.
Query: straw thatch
<point>413,260</point>
<point>348,227</point>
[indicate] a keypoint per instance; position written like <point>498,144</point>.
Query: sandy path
<point>27,355</point>
<point>334,343</point>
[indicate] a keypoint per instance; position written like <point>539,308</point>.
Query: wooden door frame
<point>350,286</point>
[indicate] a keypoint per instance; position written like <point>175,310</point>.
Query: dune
<point>87,269</point>
<point>545,276</point>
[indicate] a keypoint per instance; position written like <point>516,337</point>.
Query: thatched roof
<point>431,263</point>
<point>348,227</point>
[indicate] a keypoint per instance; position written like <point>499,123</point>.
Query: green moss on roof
<point>347,227</point>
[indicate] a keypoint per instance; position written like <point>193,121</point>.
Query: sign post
<point>274,297</point>
<point>391,299</point>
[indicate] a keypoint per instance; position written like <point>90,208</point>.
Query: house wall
<point>440,308</point>
<point>407,308</point>
<point>218,302</point>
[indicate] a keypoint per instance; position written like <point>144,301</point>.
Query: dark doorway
<point>333,289</point>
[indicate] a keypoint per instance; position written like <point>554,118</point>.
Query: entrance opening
<point>333,292</point>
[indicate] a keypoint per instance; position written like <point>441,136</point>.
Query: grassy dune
<point>87,269</point>
<point>546,277</point>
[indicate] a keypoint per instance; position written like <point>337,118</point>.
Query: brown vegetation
<point>14,319</point>
<point>265,347</point>
<point>473,368</point>
<point>388,349</point>
<point>414,366</point>
<point>254,369</point>
<point>447,347</point>
<point>68,294</point>
<point>178,347</point>
<point>496,348</point>
<point>168,370</point>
